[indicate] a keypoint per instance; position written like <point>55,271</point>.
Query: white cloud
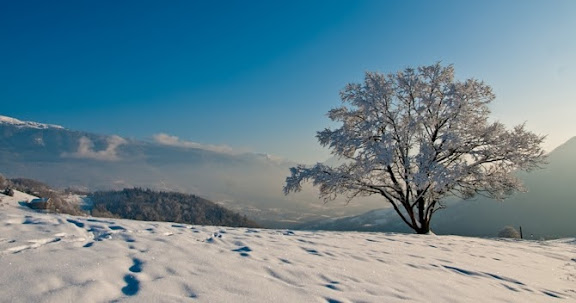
<point>86,149</point>
<point>166,139</point>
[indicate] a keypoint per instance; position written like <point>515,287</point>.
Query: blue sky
<point>261,75</point>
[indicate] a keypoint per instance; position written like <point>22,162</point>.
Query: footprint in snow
<point>311,251</point>
<point>100,221</point>
<point>333,285</point>
<point>30,220</point>
<point>191,293</point>
<point>132,285</point>
<point>136,266</point>
<point>243,251</point>
<point>214,237</point>
<point>77,223</point>
<point>551,294</point>
<point>99,233</point>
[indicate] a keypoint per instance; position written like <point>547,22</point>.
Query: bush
<point>509,232</point>
<point>9,192</point>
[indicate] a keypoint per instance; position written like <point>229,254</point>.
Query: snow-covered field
<point>61,258</point>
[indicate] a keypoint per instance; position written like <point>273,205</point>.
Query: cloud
<point>86,149</point>
<point>166,139</point>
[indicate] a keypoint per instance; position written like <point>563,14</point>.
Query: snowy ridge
<point>27,124</point>
<point>61,258</point>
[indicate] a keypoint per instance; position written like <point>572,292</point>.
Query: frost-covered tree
<point>416,137</point>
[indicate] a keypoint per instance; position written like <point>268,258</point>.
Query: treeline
<point>148,205</point>
<point>58,202</point>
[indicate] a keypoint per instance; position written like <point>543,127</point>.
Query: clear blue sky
<point>261,75</point>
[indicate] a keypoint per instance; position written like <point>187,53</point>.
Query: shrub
<point>509,232</point>
<point>9,192</point>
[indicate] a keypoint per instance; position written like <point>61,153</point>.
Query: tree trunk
<point>414,217</point>
<point>424,228</point>
<point>422,218</point>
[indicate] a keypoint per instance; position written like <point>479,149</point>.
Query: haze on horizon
<point>261,77</point>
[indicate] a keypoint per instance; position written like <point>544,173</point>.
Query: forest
<point>149,205</point>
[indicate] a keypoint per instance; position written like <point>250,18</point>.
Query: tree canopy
<point>415,137</point>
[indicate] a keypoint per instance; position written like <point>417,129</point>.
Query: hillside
<point>59,201</point>
<point>59,258</point>
<point>546,210</point>
<point>148,205</point>
<point>135,203</point>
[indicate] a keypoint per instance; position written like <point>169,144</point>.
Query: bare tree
<point>416,137</point>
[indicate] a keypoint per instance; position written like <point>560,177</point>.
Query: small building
<point>40,203</point>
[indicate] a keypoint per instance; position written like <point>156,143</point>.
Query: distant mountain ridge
<point>251,183</point>
<point>248,183</point>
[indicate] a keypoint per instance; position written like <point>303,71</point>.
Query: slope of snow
<point>61,258</point>
<point>28,124</point>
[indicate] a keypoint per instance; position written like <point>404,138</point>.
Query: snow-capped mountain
<point>29,124</point>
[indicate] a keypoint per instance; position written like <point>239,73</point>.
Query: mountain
<point>26,124</point>
<point>248,183</point>
<point>545,211</point>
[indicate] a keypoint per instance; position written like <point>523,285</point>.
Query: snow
<point>62,258</point>
<point>82,201</point>
<point>27,124</point>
